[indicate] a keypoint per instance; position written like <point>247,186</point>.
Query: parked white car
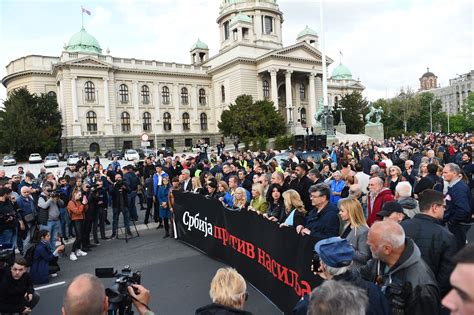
<point>35,158</point>
<point>131,155</point>
<point>73,159</point>
<point>51,161</point>
<point>8,160</point>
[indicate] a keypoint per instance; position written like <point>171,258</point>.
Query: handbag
<point>30,217</point>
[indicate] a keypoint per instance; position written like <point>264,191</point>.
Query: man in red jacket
<point>378,195</point>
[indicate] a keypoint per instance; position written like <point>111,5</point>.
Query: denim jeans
<point>132,196</point>
<point>8,237</point>
<point>115,220</point>
<point>54,228</point>
<point>65,222</point>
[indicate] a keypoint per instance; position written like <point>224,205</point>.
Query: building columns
<point>136,99</point>
<point>194,101</point>
<point>289,97</point>
<point>260,87</point>
<point>312,100</point>
<point>274,87</point>
<point>76,126</point>
<point>106,100</point>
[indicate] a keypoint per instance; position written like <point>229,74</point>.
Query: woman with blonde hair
<point>228,294</point>
<point>355,230</point>
<point>196,186</point>
<point>258,202</point>
<point>240,198</point>
<point>294,210</point>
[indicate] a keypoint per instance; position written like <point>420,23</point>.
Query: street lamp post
<point>431,118</point>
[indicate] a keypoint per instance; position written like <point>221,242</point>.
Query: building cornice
<point>24,73</point>
<point>231,62</point>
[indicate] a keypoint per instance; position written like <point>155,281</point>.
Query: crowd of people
<point>389,217</point>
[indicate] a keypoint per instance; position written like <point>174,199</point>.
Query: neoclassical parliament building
<point>109,102</point>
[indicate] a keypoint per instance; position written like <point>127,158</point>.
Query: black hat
<point>389,208</point>
<point>212,183</point>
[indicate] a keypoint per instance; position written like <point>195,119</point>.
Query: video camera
<point>120,302</point>
<point>56,193</point>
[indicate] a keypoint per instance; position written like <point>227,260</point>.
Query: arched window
<point>94,147</point>
<point>167,121</point>
<point>184,96</point>
<point>52,94</point>
<point>303,116</point>
<point>125,121</point>
<point>222,94</point>
<point>202,97</point>
<point>186,125</point>
<point>91,121</point>
<point>145,94</point>
<point>165,95</point>
<point>123,92</point>
<point>89,90</point>
<point>266,89</point>
<point>203,120</point>
<point>146,121</point>
<point>302,92</point>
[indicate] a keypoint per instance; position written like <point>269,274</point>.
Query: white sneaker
<point>80,253</point>
<point>73,257</point>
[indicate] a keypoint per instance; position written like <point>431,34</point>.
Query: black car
<point>166,151</point>
<point>113,153</point>
<point>84,154</point>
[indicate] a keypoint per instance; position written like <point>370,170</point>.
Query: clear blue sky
<point>386,43</point>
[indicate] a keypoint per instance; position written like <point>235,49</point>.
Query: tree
<point>250,121</point>
<point>355,107</point>
<point>30,123</point>
<point>421,122</point>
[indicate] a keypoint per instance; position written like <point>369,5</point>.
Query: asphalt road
<point>177,275</point>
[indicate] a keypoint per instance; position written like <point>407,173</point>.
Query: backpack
<point>29,254</point>
<point>437,185</point>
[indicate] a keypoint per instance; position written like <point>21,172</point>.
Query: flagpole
<point>82,16</point>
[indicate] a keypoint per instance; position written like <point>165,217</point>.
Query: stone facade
<point>111,101</point>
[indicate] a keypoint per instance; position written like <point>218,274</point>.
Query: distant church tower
<point>428,80</point>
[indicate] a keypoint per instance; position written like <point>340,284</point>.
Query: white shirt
<point>363,181</point>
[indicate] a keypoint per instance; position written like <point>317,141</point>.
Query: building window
<point>222,94</point>
<point>202,97</point>
<point>226,30</point>
<point>266,89</point>
<point>302,92</point>
<point>184,96</point>
<point>52,94</point>
<point>167,121</point>
<point>89,89</point>
<point>336,101</point>
<point>188,142</point>
<point>267,25</point>
<point>91,121</point>
<point>165,95</point>
<point>186,124</point>
<point>303,116</point>
<point>245,33</point>
<point>123,92</point>
<point>203,120</point>
<point>146,121</point>
<point>169,143</point>
<point>125,121</point>
<point>145,94</point>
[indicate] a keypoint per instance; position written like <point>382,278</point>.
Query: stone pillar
<point>289,97</point>
<point>260,87</point>
<point>76,127</point>
<point>311,101</point>
<point>194,102</point>
<point>274,87</point>
<point>156,103</point>
<point>62,108</point>
<point>135,99</point>
<point>176,100</point>
<point>108,127</point>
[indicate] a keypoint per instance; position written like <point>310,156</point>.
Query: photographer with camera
<point>8,217</point>
<point>28,214</point>
<point>86,295</point>
<point>120,204</point>
<point>49,204</point>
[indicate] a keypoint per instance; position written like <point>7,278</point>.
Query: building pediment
<point>88,62</point>
<point>298,51</point>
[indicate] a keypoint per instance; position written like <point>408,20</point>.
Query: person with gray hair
<point>458,204</point>
<point>377,197</point>
<point>338,297</point>
<point>403,196</point>
<point>398,269</point>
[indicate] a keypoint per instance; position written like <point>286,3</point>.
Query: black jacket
<point>437,246</point>
<point>120,195</point>
<point>409,282</point>
<point>302,187</point>
<point>217,309</point>
<point>8,218</point>
<point>12,291</point>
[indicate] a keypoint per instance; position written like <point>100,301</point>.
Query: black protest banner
<point>275,260</point>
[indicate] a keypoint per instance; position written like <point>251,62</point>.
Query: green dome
<point>83,42</point>
<point>199,45</point>
<point>341,72</point>
<point>307,31</point>
<point>241,18</point>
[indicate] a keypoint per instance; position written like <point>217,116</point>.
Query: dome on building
<point>428,73</point>
<point>199,45</point>
<point>307,31</point>
<point>83,42</point>
<point>240,18</point>
<point>341,72</point>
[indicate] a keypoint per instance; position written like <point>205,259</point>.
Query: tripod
<point>125,235</point>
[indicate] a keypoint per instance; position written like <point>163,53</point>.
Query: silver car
<point>8,160</point>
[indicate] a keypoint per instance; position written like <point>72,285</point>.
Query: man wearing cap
<point>437,245</point>
<point>397,268</point>
<point>335,256</point>
<point>392,211</point>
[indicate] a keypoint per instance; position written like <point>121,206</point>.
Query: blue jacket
<point>39,270</point>
<point>458,204</point>
<point>131,180</point>
<point>336,187</point>
<point>26,205</point>
<point>324,224</point>
<point>162,194</point>
<point>229,198</point>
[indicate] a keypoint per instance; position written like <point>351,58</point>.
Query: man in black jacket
<point>302,184</point>
<point>397,267</point>
<point>17,294</point>
<point>437,245</point>
<point>120,204</point>
<point>132,181</point>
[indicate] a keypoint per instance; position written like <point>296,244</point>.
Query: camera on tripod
<point>120,302</point>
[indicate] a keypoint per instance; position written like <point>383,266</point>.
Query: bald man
<point>397,267</point>
<point>86,296</point>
